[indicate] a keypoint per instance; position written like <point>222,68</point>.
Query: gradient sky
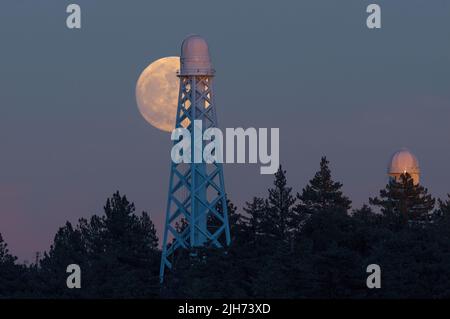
<point>71,133</point>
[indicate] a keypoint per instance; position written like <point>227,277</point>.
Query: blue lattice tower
<point>196,189</point>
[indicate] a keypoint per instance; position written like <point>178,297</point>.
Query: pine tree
<point>253,218</point>
<point>402,200</point>
<point>68,248</point>
<point>118,254</point>
<point>12,282</point>
<point>5,256</point>
<point>129,253</point>
<point>276,221</point>
<point>442,214</point>
<point>441,220</point>
<point>234,220</point>
<point>322,194</point>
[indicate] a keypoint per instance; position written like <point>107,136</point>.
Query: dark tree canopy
<point>283,246</point>
<point>277,218</point>
<point>322,193</point>
<point>404,200</point>
<point>117,252</point>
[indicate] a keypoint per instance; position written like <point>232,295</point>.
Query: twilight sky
<point>71,133</point>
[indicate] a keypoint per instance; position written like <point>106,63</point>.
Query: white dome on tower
<point>403,161</point>
<point>195,59</point>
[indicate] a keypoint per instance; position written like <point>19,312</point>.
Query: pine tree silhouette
<point>322,193</point>
<point>403,200</point>
<point>277,219</point>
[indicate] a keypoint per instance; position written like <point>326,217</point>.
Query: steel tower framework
<point>196,212</point>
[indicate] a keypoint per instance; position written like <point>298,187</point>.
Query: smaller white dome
<point>403,161</point>
<point>195,59</point>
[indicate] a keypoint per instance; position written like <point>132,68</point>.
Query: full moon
<point>157,93</point>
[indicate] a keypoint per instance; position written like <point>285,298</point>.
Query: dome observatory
<point>402,162</point>
<point>195,59</point>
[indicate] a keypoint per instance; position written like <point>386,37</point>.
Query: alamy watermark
<point>73,20</point>
<point>235,140</point>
